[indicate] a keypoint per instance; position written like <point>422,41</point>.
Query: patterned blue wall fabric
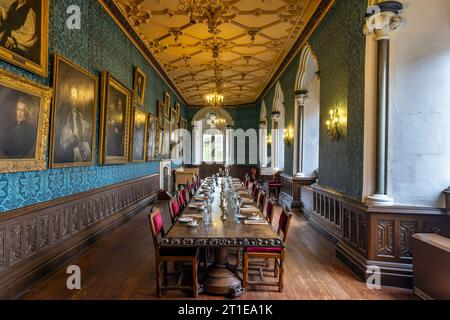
<point>99,45</point>
<point>339,45</point>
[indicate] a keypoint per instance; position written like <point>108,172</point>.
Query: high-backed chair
<point>174,210</point>
<point>181,200</point>
<point>269,212</point>
<point>255,192</point>
<point>262,200</point>
<point>277,254</point>
<point>165,255</point>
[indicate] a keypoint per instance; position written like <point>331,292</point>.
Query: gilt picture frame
<point>139,86</point>
<point>24,124</point>
<point>161,114</point>
<point>167,105</point>
<point>138,144</point>
<point>152,137</point>
<point>73,116</point>
<point>115,122</point>
<point>26,46</point>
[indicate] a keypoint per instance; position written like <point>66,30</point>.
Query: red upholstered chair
<point>275,187</point>
<point>165,255</point>
<point>262,200</point>
<point>174,209</point>
<point>181,200</point>
<point>186,197</point>
<point>269,212</point>
<point>277,254</point>
<point>255,192</point>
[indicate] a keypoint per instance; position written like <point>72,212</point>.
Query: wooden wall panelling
<point>290,196</point>
<point>375,236</point>
<point>37,239</point>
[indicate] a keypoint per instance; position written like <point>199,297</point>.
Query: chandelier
<point>210,11</point>
<point>215,99</point>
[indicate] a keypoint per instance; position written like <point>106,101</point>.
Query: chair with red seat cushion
<point>262,200</point>
<point>265,253</point>
<point>254,191</point>
<point>269,212</point>
<point>186,197</point>
<point>181,200</point>
<point>174,209</point>
<point>165,255</point>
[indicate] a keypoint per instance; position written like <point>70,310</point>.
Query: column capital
<point>301,96</point>
<point>382,19</point>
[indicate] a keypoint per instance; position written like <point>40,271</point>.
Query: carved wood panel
<point>385,237</point>
<point>22,236</point>
<point>407,230</point>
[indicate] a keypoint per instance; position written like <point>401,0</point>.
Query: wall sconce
<point>334,125</point>
<point>288,135</point>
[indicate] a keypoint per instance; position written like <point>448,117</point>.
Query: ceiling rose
<point>233,47</point>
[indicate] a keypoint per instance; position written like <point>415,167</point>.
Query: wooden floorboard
<point>120,265</point>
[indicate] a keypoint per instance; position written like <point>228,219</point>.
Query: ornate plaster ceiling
<point>238,53</point>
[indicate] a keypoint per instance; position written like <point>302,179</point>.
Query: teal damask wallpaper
<point>99,45</point>
<point>339,44</point>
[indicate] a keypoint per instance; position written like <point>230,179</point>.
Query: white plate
<point>185,220</point>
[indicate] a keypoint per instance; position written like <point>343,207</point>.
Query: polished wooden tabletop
<point>232,232</point>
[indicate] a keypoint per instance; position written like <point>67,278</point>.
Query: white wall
<point>419,147</point>
<point>311,120</point>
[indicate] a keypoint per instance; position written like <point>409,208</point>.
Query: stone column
<point>382,19</point>
<point>263,144</point>
<point>300,100</point>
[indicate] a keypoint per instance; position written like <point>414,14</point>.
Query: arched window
<point>278,124</point>
<point>307,115</point>
<point>212,142</point>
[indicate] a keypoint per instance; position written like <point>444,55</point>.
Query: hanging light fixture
<point>215,99</point>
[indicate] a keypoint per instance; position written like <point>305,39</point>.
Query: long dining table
<point>229,227</point>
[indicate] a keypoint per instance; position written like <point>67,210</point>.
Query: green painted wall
<point>99,45</point>
<point>339,45</point>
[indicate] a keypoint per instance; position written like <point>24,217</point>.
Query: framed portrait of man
<point>139,135</point>
<point>166,138</point>
<point>24,124</point>
<point>115,121</point>
<point>167,105</point>
<point>161,115</point>
<point>24,26</point>
<point>161,143</point>
<point>152,137</point>
<point>74,115</point>
<point>173,123</point>
<point>178,111</point>
<point>139,86</point>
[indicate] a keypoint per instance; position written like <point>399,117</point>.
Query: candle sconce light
<point>288,135</point>
<point>334,125</point>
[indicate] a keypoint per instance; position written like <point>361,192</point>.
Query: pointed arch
<point>305,56</point>
<point>222,113</point>
<point>307,114</point>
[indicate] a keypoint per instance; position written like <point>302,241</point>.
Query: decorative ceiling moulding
<point>119,19</point>
<point>241,46</point>
<point>320,13</point>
